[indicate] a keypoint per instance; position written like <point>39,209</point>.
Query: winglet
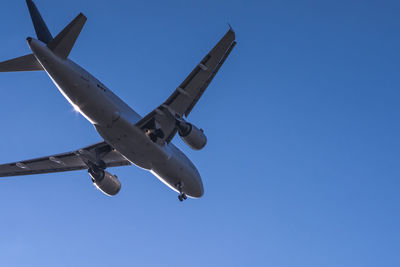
<point>41,29</point>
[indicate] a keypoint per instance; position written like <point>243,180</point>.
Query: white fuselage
<point>115,122</point>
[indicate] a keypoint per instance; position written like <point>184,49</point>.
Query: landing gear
<point>182,196</point>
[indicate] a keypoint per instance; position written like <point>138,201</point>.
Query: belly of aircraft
<point>115,122</point>
<point>166,162</point>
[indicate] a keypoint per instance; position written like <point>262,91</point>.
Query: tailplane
<point>61,45</point>
<point>29,62</point>
<point>24,63</point>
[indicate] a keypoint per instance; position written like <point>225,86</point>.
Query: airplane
<point>129,139</point>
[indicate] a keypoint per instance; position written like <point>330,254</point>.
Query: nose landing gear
<point>182,196</point>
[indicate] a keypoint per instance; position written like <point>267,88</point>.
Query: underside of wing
<point>191,89</point>
<point>161,122</point>
<point>70,161</point>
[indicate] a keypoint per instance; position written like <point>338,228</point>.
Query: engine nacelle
<point>106,182</point>
<point>192,136</point>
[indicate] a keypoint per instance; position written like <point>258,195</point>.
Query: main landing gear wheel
<point>182,197</point>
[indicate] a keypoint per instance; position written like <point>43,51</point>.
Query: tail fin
<point>41,29</point>
<point>29,62</point>
<point>62,44</point>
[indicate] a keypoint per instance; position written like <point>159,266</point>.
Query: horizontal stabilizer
<point>62,44</point>
<point>24,63</point>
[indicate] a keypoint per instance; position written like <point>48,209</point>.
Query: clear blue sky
<point>302,163</point>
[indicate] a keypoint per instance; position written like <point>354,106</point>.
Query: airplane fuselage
<point>115,122</point>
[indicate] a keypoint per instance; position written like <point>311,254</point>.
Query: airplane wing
<point>70,161</point>
<point>185,97</point>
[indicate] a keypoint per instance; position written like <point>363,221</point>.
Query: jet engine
<point>191,135</point>
<point>105,182</point>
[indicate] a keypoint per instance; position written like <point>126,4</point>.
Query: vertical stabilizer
<point>41,29</point>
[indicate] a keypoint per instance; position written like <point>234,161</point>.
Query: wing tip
<point>81,15</point>
<point>231,30</point>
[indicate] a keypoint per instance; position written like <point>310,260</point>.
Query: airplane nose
<point>29,39</point>
<point>198,190</point>
<point>193,185</point>
<point>201,190</point>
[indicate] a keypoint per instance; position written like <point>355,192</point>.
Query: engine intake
<point>105,182</point>
<point>191,135</point>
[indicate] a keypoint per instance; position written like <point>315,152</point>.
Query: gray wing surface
<point>185,97</point>
<point>191,89</point>
<point>69,161</point>
<point>24,63</point>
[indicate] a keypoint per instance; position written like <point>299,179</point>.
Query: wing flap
<point>208,81</point>
<point>191,89</point>
<point>69,161</point>
<point>184,98</point>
